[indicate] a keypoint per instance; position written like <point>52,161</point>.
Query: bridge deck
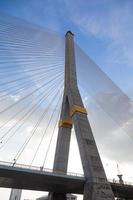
<point>33,179</point>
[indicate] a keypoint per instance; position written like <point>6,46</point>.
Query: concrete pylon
<point>74,113</point>
<point>15,194</point>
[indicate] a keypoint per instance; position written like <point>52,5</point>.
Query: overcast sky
<point>103,29</point>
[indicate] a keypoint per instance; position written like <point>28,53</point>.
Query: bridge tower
<point>74,113</point>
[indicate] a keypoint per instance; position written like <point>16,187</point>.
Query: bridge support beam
<point>63,140</point>
<point>62,147</point>
<point>73,112</point>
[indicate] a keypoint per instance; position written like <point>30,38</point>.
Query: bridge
<point>41,106</point>
<point>35,178</point>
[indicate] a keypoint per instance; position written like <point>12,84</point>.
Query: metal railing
<point>23,166</point>
<point>41,169</point>
<point>117,182</point>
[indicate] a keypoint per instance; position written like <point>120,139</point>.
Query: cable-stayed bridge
<point>34,123</point>
<point>47,180</point>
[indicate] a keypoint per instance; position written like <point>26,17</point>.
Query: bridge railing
<point>23,166</point>
<point>117,182</point>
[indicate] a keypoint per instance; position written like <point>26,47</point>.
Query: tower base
<point>57,196</point>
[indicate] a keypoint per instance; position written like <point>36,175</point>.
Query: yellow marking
<point>65,123</point>
<point>76,108</point>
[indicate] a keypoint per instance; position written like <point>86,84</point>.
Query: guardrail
<point>11,164</point>
<point>117,182</point>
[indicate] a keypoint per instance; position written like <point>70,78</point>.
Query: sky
<point>103,29</point>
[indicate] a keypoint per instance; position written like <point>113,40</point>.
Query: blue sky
<point>102,28</point>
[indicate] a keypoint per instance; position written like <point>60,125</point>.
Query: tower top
<point>69,32</point>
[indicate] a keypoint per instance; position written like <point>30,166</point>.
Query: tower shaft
<point>73,112</point>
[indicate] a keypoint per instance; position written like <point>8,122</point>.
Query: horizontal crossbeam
<point>79,109</point>
<point>65,123</point>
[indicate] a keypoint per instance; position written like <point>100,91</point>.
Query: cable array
<point>106,94</point>
<point>31,87</point>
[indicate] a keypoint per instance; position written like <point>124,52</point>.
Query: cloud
<point>113,143</point>
<point>110,111</point>
<point>106,21</point>
<point>111,25</point>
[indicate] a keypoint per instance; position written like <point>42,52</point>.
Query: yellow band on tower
<point>76,108</point>
<point>65,123</point>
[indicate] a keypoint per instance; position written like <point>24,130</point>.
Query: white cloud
<point>113,25</point>
<point>15,97</point>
